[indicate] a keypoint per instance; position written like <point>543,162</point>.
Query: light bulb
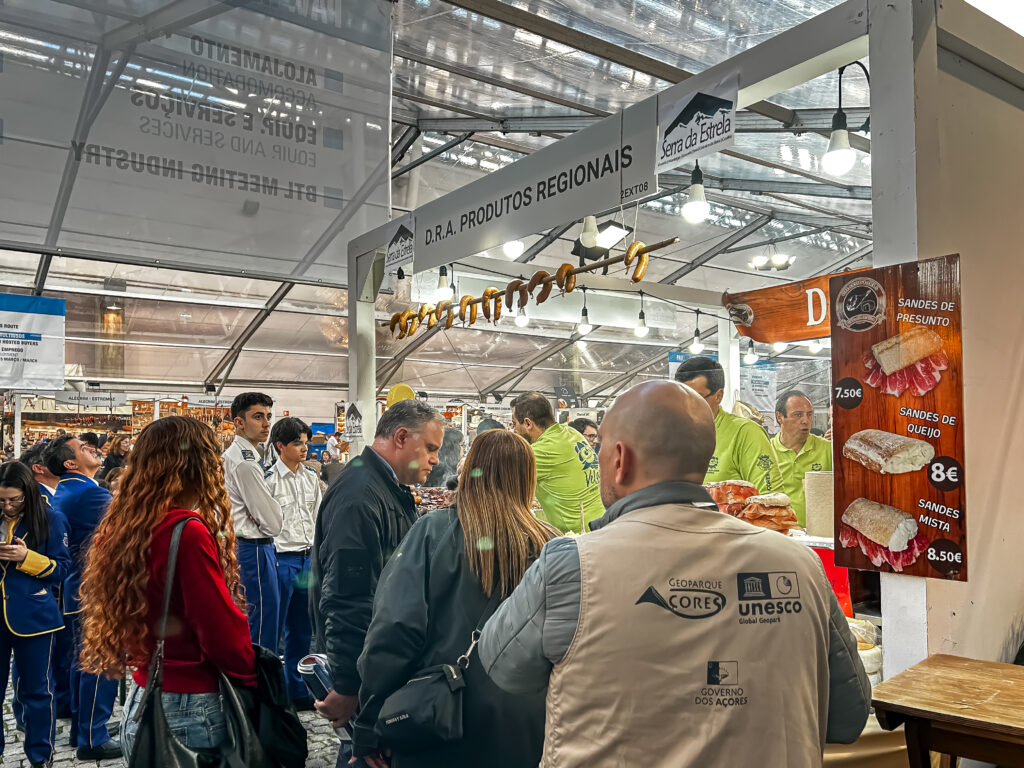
<point>780,259</point>
<point>696,208</point>
<point>584,327</point>
<point>521,319</point>
<point>759,261</point>
<point>698,346</point>
<point>780,346</point>
<point>444,289</point>
<point>814,346</point>
<point>641,329</point>
<point>513,249</point>
<point>588,237</point>
<point>751,357</point>
<point>839,157</point>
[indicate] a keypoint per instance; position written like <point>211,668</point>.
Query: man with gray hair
<point>363,518</point>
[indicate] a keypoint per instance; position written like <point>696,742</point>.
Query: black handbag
<point>427,711</point>
<point>155,745</point>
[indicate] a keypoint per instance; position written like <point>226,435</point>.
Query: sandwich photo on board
<point>911,360</point>
<point>886,535</point>
<point>888,453</point>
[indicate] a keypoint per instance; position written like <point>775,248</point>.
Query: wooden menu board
<point>897,370</point>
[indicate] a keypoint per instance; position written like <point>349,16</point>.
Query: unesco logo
<point>860,305</point>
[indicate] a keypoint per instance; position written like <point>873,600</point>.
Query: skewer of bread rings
<point>408,321</point>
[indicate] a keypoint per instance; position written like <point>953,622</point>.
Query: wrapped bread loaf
<point>888,453</point>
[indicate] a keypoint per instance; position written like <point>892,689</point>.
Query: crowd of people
<point>638,642</point>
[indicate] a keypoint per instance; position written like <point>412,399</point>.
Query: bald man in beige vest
<point>673,635</point>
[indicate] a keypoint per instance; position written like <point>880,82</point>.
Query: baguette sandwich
<point>888,453</point>
<point>886,535</point>
<point>909,360</point>
<point>772,511</point>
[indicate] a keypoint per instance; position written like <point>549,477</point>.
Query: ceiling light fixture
<point>444,287</point>
<point>513,249</point>
<point>112,307</point>
<point>759,261</point>
<point>588,236</point>
<point>840,157</point>
<point>521,319</point>
<point>780,260</point>
<point>697,346</point>
<point>814,347</point>
<point>584,327</point>
<point>641,329</point>
<point>696,209</point>
<point>780,346</point>
<point>751,357</point>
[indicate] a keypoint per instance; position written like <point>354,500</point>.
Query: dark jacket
<point>364,516</point>
<point>426,608</point>
<point>110,463</point>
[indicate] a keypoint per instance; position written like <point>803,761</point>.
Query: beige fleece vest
<point>702,641</point>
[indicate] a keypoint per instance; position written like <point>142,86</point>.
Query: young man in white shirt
<point>296,488</point>
<point>332,446</point>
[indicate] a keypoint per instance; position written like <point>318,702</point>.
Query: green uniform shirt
<point>815,456</point>
<point>743,452</point>
<point>567,475</point>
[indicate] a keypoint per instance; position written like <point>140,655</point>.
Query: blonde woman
<point>434,592</point>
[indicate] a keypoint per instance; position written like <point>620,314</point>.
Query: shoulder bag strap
<point>489,609</point>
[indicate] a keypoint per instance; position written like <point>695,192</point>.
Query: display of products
<point>772,511</point>
<point>731,495</point>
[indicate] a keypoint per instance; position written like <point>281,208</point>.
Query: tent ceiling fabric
<point>174,325</point>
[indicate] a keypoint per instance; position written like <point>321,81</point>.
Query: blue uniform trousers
<point>293,577</point>
<point>61,667</point>
<point>92,696</point>
<point>257,564</point>
<point>35,690</point>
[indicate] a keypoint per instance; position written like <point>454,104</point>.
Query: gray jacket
<point>533,630</point>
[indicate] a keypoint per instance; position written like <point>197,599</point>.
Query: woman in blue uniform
<point>33,559</point>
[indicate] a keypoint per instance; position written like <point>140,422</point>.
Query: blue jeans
<point>293,577</point>
<point>195,719</point>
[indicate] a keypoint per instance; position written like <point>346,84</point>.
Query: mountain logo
<point>686,603</point>
<point>703,106</point>
<point>400,249</point>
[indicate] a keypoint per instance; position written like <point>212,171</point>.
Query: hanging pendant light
<point>696,209</point>
<point>521,319</point>
<point>588,236</point>
<point>641,330</point>
<point>697,346</point>
<point>840,157</point>
<point>444,288</point>
<point>583,327</point>
<point>751,357</point>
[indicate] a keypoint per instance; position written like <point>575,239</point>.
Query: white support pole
<point>729,357</point>
<point>362,342</point>
<point>17,424</point>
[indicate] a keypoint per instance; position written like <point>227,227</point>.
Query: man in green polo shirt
<point>798,451</point>
<point>568,474</point>
<point>742,450</point>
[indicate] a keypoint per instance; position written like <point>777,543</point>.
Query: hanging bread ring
<point>403,331</point>
<point>431,320</point>
<point>545,290</point>
<point>425,310</point>
<point>463,302</point>
<point>570,283</point>
<point>641,268</point>
<point>561,274</point>
<point>510,293</point>
<point>472,313</point>
<point>395,318</point>
<point>631,252</point>
<point>488,293</point>
<point>524,296</point>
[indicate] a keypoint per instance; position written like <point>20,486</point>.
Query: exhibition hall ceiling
<point>207,183</point>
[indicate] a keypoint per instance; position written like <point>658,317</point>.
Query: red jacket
<point>205,629</point>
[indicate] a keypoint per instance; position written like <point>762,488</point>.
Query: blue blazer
<point>83,504</point>
<point>30,606</point>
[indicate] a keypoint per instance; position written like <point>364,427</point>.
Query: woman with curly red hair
<point>174,473</point>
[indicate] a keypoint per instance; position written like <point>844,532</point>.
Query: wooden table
<point>956,707</point>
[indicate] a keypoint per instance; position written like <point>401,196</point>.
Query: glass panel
<point>106,361</point>
<point>154,281</point>
<point>276,368</point>
<point>135,320</point>
<point>18,269</point>
<point>308,334</point>
<point>316,299</point>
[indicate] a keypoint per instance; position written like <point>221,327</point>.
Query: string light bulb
<point>584,327</point>
<point>513,249</point>
<point>814,347</point>
<point>840,157</point>
<point>780,346</point>
<point>751,357</point>
<point>696,209</point>
<point>641,329</point>
<point>521,319</point>
<point>697,346</point>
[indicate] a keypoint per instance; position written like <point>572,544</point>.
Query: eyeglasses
<point>591,439</point>
<point>15,502</point>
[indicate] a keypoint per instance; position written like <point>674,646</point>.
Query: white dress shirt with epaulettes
<point>255,511</point>
<point>298,493</point>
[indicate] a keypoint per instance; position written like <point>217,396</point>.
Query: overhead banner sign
<point>897,424</point>
<point>789,312</point>
<point>594,170</point>
<point>696,124</point>
<point>31,342</point>
<point>209,401</point>
<point>92,399</point>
